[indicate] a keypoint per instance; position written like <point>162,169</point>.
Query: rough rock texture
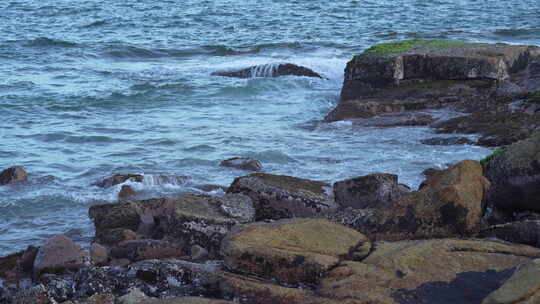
<point>418,75</point>
<point>280,196</point>
<point>523,287</point>
<point>450,204</point>
<point>146,249</point>
<point>126,192</point>
<point>98,254</point>
<point>270,70</point>
<point>447,141</point>
<point>374,190</point>
<point>117,179</point>
<point>189,220</point>
<point>292,251</point>
<point>243,163</point>
<point>445,271</point>
<point>523,232</point>
<point>515,177</point>
<point>59,253</point>
<point>13,175</point>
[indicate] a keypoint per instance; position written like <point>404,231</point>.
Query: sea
<point>89,88</point>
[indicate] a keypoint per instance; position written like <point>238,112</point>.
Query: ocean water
<point>90,88</point>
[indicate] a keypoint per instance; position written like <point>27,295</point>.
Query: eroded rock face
<point>515,177</point>
<point>59,253</point>
<point>374,190</point>
<point>280,196</point>
<point>522,232</point>
<point>183,222</point>
<point>243,163</point>
<point>445,271</point>
<point>418,75</point>
<point>13,175</point>
<point>270,70</point>
<point>523,287</point>
<point>449,204</point>
<point>292,251</point>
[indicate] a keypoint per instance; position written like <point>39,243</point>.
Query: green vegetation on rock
<point>408,45</point>
<point>484,161</point>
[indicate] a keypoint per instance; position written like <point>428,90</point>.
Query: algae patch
<point>408,45</point>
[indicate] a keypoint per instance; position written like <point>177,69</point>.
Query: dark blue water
<point>89,88</point>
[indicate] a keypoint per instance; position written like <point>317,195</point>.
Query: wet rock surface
<point>270,70</point>
<point>280,196</point>
<point>13,175</point>
<point>523,287</point>
<point>57,254</point>
<point>244,163</point>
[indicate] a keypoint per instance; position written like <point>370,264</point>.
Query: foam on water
<point>86,93</point>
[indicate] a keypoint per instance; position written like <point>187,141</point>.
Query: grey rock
<point>244,163</point>
<point>59,253</point>
<point>270,70</point>
<point>374,190</point>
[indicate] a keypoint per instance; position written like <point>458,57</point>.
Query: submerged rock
<point>13,175</point>
<point>280,196</point>
<point>270,70</point>
<point>292,251</point>
<point>126,192</point>
<point>243,163</point>
<point>447,141</point>
<point>117,179</point>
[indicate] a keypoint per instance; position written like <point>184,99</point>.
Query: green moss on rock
<point>484,161</point>
<point>409,45</point>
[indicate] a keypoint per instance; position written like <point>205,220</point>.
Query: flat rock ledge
<point>484,81</point>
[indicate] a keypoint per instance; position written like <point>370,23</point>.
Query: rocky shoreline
<point>469,234</point>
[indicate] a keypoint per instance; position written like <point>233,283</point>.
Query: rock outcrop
<point>244,163</point>
<point>415,75</point>
<point>13,175</point>
<point>280,196</point>
<point>270,70</point>
<point>449,204</point>
<point>514,174</point>
<point>177,223</point>
<point>292,251</point>
<point>370,191</point>
<point>58,254</point>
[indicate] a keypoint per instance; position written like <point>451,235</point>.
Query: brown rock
<point>445,271</point>
<point>59,253</point>
<point>243,163</point>
<point>523,287</point>
<point>138,250</point>
<point>374,190</point>
<point>449,205</point>
<point>98,254</point>
<point>13,175</point>
<point>115,236</point>
<point>27,259</point>
<point>280,196</point>
<point>126,192</point>
<point>292,251</point>
<point>117,179</point>
<point>119,262</point>
<point>522,232</point>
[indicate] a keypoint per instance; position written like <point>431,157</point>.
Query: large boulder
<point>292,251</point>
<point>523,287</point>
<point>13,175</point>
<point>444,271</point>
<point>449,204</point>
<point>374,190</point>
<point>270,70</point>
<point>415,75</point>
<point>280,196</point>
<point>189,220</point>
<point>58,254</point>
<point>514,174</point>
<point>522,232</point>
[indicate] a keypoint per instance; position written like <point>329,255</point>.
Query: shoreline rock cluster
<point>469,234</point>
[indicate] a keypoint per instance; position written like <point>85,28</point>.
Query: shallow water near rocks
<point>91,88</point>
